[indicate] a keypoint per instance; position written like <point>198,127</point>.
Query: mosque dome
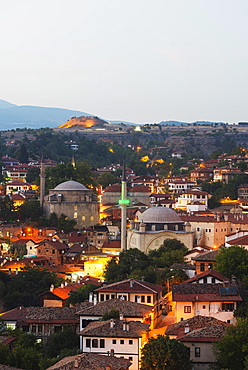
<point>70,185</point>
<point>160,215</point>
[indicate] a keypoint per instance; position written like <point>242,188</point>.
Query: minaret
<point>42,180</point>
<point>123,203</point>
<point>73,163</point>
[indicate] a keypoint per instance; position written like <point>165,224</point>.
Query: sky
<point>142,61</point>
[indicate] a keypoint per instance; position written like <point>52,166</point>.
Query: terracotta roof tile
<point>127,308</point>
<point>90,361</point>
<point>102,328</point>
<point>210,272</point>
<point>194,323</point>
<point>208,334</point>
<point>187,292</point>
<point>131,285</point>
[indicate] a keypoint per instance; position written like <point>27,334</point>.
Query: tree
<point>22,154</point>
<point>111,314</point>
<point>162,353</point>
<point>171,251</point>
<point>232,261</point>
<point>23,289</point>
<point>30,210</point>
<point>232,351</point>
<point>80,295</point>
<point>106,179</point>
<point>66,339</point>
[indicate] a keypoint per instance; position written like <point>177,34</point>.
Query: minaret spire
<point>123,203</point>
<point>42,180</point>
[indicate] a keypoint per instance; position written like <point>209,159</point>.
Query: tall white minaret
<point>42,181</point>
<point>123,203</point>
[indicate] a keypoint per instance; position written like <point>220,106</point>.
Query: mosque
<point>75,201</point>
<point>154,226</point>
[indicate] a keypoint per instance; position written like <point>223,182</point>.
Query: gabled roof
<point>194,323</point>
<point>102,329</point>
<point>243,240</point>
<point>63,292</point>
<point>187,292</point>
<point>131,285</point>
<point>207,256</point>
<point>126,308</point>
<point>115,244</point>
<point>56,245</point>
<point>208,334</point>
<point>90,361</point>
<point>211,272</point>
<point>41,315</point>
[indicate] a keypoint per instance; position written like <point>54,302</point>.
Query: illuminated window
<point>83,218</point>
<point>91,218</point>
<point>75,208</point>
<point>75,215</point>
<point>187,309</point>
<point>197,352</point>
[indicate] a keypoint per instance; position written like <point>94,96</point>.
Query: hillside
<point>83,122</point>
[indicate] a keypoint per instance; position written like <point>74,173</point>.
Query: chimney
<point>91,297</point>
<point>127,326</point>
<point>112,352</point>
<point>121,316</point>
<point>51,288</point>
<point>112,323</point>
<point>124,325</point>
<point>186,328</point>
<point>131,283</point>
<point>95,299</point>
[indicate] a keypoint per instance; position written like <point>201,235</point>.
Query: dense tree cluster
<point>153,267</point>
<point>28,354</point>
<point>162,353</point>
<point>23,289</point>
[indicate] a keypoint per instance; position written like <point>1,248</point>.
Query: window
<point>227,306</point>
<point>57,329</point>
<point>101,297</point>
<point>75,208</point>
<point>130,358</point>
<point>213,280</point>
<point>209,230</point>
<point>202,267</point>
<point>53,251</point>
<point>122,341</point>
<point>39,328</point>
<point>75,215</point>
<point>94,343</point>
<point>198,229</point>
<point>205,280</point>
<point>112,296</point>
<point>130,341</point>
<point>33,329</point>
<point>102,343</point>
<point>187,309</point>
<point>107,297</point>
<point>113,341</point>
<point>204,307</point>
<point>143,299</point>
<point>197,352</point>
<point>91,218</point>
<point>148,298</point>
<point>83,218</point>
<point>10,326</point>
<point>88,342</point>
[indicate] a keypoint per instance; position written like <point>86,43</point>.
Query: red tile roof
<point>131,285</point>
<point>187,292</point>
<point>210,272</point>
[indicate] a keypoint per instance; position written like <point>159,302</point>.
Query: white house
<point>115,337</point>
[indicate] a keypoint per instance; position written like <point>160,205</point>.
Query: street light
<point>168,283</point>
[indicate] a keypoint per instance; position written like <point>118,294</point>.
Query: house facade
<point>118,337</point>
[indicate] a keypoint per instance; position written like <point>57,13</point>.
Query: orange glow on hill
<point>83,122</point>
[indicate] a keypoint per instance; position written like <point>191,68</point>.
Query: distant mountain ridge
<point>14,116</point>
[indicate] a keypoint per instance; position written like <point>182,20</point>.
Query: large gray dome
<point>161,215</point>
<point>70,185</point>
